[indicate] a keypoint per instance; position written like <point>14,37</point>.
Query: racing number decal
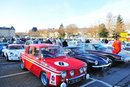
<point>61,63</point>
<point>53,79</point>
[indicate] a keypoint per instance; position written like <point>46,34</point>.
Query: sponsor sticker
<point>53,79</point>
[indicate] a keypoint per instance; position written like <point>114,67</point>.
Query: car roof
<point>72,47</point>
<point>15,45</point>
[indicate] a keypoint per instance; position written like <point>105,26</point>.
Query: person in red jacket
<point>116,45</point>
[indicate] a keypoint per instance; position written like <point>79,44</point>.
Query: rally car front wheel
<point>7,58</point>
<point>44,80</point>
<point>22,65</point>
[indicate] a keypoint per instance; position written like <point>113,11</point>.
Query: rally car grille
<point>76,79</point>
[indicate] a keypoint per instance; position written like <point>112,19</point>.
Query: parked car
<point>49,63</point>
<point>12,51</point>
<point>28,42</point>
<point>127,46</point>
<point>98,48</point>
<point>124,53</point>
<point>93,61</point>
<point>19,42</point>
<point>72,43</point>
<point>2,46</point>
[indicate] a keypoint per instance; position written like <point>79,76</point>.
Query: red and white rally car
<point>49,63</point>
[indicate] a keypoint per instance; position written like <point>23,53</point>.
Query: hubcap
<point>44,79</point>
<point>22,65</point>
<point>63,84</point>
<point>6,57</point>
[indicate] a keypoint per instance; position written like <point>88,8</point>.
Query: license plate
<point>75,80</point>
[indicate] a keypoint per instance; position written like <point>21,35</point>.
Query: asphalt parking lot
<point>12,76</point>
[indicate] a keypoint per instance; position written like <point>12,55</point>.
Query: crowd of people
<point>65,42</point>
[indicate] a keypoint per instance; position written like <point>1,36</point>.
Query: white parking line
<point>103,82</point>
<point>10,75</point>
<point>88,83</point>
<point>94,80</point>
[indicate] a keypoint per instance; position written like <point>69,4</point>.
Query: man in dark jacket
<point>48,41</point>
<point>64,43</point>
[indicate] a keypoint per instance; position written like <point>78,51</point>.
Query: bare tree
<point>120,26</point>
<point>93,31</point>
<point>61,31</point>
<point>71,29</point>
<point>110,23</point>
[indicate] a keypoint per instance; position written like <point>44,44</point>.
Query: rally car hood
<point>64,63</point>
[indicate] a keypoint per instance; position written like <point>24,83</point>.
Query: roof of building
<point>7,28</point>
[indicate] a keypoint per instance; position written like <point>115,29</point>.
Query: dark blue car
<point>92,60</point>
<point>96,48</point>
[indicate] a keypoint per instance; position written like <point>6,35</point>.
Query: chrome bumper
<point>101,66</point>
<point>76,79</point>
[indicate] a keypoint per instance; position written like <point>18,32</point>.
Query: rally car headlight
<point>63,74</point>
<point>72,73</point>
<point>96,62</point>
<point>81,70</point>
<point>16,55</point>
<point>108,59</point>
<point>85,68</point>
<point>11,53</point>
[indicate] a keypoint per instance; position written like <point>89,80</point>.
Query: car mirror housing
<point>38,58</point>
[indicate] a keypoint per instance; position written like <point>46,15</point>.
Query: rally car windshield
<point>52,52</point>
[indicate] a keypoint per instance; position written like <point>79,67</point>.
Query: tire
<point>2,54</point>
<point>22,65</point>
<point>89,68</point>
<point>7,58</point>
<point>113,62</point>
<point>44,80</point>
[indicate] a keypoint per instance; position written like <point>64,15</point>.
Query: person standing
<point>116,45</point>
<point>64,43</point>
<point>48,41</point>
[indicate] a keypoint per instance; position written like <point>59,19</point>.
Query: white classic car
<point>12,51</point>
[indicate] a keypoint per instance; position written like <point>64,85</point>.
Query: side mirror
<point>37,58</point>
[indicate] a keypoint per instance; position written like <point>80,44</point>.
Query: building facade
<point>7,32</point>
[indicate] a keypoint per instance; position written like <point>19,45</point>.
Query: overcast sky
<point>25,14</point>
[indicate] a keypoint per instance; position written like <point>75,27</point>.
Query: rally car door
<point>36,67</point>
